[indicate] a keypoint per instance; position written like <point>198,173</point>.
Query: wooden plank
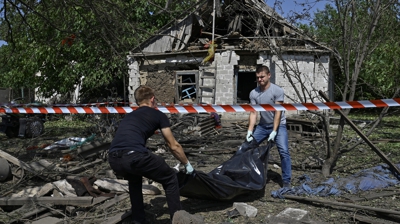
<point>342,205</point>
<point>186,84</point>
<point>179,38</point>
<point>78,169</point>
<point>44,165</point>
<point>98,200</point>
<point>117,218</point>
<point>34,212</point>
<point>76,201</point>
<point>366,219</point>
<point>48,220</point>
<point>93,149</point>
<point>185,42</point>
<point>113,201</point>
<point>47,214</point>
<point>372,196</point>
<point>162,44</point>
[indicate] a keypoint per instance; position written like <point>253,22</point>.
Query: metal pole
<point>365,138</point>
<point>213,28</point>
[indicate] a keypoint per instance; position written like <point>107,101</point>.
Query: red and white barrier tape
<point>207,108</point>
<point>64,105</point>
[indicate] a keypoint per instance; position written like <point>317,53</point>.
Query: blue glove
<point>188,168</point>
<point>272,136</point>
<point>249,136</point>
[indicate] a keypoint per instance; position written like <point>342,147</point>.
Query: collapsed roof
<point>240,24</point>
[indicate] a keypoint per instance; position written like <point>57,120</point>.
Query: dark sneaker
<point>287,185</point>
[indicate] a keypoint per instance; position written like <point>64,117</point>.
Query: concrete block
<point>229,91</point>
<point>224,61</point>
<point>245,209</point>
<point>133,73</point>
<point>224,82</point>
<point>133,64</point>
<point>294,213</point>
<point>235,58</point>
<point>222,72</point>
<point>185,217</point>
<point>223,87</point>
<point>48,220</point>
<point>292,220</point>
<point>220,99</point>
<point>225,54</point>
<point>228,68</point>
<point>134,80</point>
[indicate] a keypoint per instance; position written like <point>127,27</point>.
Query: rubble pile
<point>70,180</point>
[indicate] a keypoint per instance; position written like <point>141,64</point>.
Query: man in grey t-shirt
<point>272,123</point>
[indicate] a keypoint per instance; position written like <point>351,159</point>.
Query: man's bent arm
<point>175,147</point>
<point>252,120</point>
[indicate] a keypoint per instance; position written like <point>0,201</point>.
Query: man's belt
<point>120,153</point>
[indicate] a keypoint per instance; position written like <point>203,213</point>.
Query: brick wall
<point>226,62</point>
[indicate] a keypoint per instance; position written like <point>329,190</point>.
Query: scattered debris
<point>343,205</point>
<point>70,142</point>
<point>196,124</point>
<point>5,171</point>
<point>294,213</point>
<point>183,217</point>
<point>290,215</point>
<point>245,209</point>
<point>69,184</point>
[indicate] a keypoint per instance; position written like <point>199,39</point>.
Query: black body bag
<point>243,173</point>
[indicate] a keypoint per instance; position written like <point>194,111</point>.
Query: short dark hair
<point>143,93</point>
<point>262,68</point>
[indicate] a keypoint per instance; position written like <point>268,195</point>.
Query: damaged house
<point>206,59</point>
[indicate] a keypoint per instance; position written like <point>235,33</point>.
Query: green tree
<point>361,32</point>
<point>68,40</point>
<point>380,75</point>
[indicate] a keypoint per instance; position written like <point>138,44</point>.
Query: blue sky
<point>289,7</point>
<point>299,5</point>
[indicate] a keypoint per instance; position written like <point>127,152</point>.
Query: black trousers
<point>135,165</point>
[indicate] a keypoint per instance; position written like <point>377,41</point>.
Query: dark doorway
<point>245,83</point>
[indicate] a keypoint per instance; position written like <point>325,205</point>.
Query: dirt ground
<point>206,153</point>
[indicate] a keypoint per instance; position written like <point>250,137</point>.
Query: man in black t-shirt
<point>129,157</point>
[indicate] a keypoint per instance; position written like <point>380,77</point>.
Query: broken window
<point>186,83</point>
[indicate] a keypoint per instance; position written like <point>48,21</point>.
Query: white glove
<point>272,136</point>
<point>189,168</point>
<point>249,136</point>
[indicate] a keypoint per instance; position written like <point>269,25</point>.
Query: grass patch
<point>64,126</point>
<point>385,137</point>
